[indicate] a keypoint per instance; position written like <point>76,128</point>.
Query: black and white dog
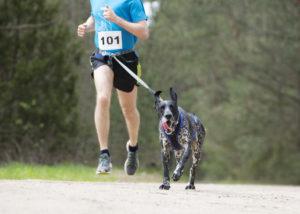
<point>181,132</point>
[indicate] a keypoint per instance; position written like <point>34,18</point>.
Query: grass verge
<point>77,172</point>
<point>72,172</point>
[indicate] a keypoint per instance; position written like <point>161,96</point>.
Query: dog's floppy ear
<point>157,99</point>
<point>173,95</point>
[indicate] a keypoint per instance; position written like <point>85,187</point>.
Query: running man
<point>118,24</point>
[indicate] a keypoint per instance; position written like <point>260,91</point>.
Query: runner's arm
<point>88,26</point>
<point>139,29</point>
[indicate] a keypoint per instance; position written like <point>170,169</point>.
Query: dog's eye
<point>162,108</point>
<point>171,107</point>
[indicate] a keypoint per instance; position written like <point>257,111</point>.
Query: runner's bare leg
<point>132,117</point>
<point>103,78</point>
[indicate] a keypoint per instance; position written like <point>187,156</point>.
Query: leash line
<point>131,73</point>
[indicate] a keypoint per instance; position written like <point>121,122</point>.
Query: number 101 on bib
<point>110,40</point>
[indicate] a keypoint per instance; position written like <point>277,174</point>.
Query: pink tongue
<point>166,127</point>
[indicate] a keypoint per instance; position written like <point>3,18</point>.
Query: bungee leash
<point>139,80</point>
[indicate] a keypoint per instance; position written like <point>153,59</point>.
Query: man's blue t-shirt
<point>110,37</point>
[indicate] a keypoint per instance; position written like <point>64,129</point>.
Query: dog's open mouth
<point>167,126</point>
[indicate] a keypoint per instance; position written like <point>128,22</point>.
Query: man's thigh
<point>127,100</point>
<point>103,78</point>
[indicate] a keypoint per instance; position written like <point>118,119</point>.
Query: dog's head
<point>167,111</point>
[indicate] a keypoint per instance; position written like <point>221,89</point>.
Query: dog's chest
<point>183,136</point>
<point>178,140</point>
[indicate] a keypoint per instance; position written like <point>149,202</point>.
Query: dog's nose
<point>168,116</point>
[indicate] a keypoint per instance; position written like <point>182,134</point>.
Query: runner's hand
<point>109,14</point>
<point>81,30</point>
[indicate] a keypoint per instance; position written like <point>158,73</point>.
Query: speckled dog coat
<point>186,139</point>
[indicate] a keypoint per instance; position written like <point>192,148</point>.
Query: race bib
<point>110,40</point>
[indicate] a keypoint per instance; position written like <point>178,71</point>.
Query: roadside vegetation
<point>73,172</point>
<point>233,63</point>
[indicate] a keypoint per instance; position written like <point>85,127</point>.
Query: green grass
<point>72,172</point>
<point>77,172</point>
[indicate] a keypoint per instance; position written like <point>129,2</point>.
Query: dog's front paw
<point>190,186</point>
<point>176,175</point>
<point>165,186</point>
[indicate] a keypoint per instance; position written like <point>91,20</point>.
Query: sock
<point>133,148</point>
<point>104,151</point>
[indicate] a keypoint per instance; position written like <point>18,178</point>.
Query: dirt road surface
<point>49,197</point>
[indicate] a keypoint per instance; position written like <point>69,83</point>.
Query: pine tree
<point>38,99</point>
<point>234,63</point>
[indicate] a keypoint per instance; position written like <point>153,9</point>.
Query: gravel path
<point>43,197</point>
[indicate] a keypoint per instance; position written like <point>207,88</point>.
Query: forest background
<point>233,63</point>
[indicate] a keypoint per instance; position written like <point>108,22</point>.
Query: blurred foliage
<point>233,63</point>
<point>38,118</point>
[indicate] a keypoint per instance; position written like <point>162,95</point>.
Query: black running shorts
<point>122,80</point>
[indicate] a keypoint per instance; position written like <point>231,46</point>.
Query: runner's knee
<point>103,101</point>
<point>130,111</point>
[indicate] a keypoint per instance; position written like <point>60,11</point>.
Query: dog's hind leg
<point>165,156</point>
<point>196,158</point>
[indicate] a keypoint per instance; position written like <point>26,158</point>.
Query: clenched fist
<point>82,30</point>
<point>109,14</point>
